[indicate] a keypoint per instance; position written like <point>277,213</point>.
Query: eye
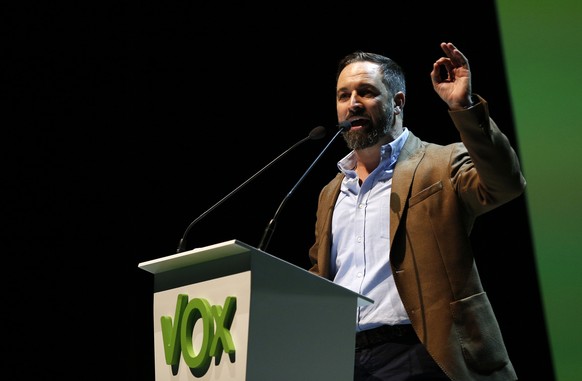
<point>367,93</point>
<point>343,96</point>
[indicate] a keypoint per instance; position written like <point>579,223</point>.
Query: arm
<point>492,168</point>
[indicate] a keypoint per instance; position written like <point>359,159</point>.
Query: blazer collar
<point>408,160</point>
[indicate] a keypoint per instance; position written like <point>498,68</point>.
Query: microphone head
<point>345,126</point>
<point>317,133</point>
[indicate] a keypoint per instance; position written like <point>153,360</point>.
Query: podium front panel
<point>214,292</point>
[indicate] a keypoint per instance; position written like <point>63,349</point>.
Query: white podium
<point>232,312</point>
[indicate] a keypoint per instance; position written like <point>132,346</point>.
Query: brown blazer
<point>437,192</point>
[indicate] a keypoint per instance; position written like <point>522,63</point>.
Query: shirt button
<point>359,275</point>
<point>361,206</point>
<point>359,239</point>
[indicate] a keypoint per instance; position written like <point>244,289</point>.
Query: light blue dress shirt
<point>360,251</point>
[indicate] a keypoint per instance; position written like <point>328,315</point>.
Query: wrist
<point>471,102</point>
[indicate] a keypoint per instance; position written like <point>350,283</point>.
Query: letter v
<point>170,333</point>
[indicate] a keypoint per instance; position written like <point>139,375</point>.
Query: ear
<point>399,100</point>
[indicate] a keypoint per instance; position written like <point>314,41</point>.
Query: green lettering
<point>170,332</point>
<point>222,338</point>
<point>195,310</point>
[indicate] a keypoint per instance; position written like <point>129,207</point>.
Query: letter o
<point>195,310</point>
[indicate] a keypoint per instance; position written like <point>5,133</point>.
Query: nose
<point>355,101</point>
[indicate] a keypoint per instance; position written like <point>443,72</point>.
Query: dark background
<point>128,120</point>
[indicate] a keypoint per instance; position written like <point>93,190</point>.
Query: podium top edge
<point>223,250</point>
<point>194,256</point>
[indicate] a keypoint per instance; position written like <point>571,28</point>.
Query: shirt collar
<point>388,152</point>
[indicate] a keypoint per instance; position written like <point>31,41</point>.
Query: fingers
<point>457,59</point>
<point>437,73</point>
<point>449,68</point>
<point>447,63</point>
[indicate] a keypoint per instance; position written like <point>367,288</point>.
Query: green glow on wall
<point>542,47</point>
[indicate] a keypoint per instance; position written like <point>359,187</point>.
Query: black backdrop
<point>127,120</point>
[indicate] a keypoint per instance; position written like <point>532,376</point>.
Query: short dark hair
<point>393,75</point>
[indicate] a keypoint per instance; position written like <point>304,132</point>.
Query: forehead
<point>360,72</point>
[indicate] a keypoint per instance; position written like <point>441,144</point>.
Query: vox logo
<point>216,337</point>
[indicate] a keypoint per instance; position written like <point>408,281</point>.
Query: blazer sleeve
<point>488,173</point>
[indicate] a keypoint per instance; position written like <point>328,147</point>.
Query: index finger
<point>457,58</point>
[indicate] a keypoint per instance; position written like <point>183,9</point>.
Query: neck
<point>369,157</point>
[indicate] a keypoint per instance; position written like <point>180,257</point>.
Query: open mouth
<point>359,123</point>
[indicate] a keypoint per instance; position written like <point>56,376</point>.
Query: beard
<point>369,135</point>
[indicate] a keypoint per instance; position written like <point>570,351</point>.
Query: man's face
<point>362,99</point>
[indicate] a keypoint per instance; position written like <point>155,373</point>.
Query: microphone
<point>315,134</point>
<point>268,233</point>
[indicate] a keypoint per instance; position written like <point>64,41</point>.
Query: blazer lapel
<point>410,156</point>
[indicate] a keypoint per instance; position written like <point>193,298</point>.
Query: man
<point>394,225</point>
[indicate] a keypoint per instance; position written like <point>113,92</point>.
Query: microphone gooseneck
<point>315,134</point>
<point>268,233</point>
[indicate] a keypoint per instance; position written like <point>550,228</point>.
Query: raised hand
<point>451,78</point>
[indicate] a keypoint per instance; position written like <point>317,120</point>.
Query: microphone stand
<point>316,133</point>
<point>268,233</point>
